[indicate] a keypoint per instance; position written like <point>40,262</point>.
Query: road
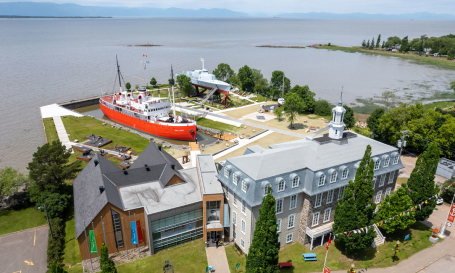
<point>24,251</point>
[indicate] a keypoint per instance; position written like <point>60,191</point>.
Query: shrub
<point>56,242</point>
<point>322,108</point>
<point>56,268</point>
<point>56,203</point>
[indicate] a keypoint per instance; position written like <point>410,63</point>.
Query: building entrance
<point>212,236</point>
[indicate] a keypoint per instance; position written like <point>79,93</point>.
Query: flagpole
<point>95,240</point>
<point>90,255</point>
<point>445,222</point>
<point>126,243</point>
<point>136,235</point>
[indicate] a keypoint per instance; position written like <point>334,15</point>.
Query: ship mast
<point>283,87</point>
<point>173,98</point>
<point>202,60</point>
<point>118,74</point>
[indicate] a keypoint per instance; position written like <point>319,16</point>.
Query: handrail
<point>378,232</point>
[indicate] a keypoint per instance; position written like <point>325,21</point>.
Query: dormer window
<point>295,180</point>
<point>377,163</point>
<point>386,161</point>
<point>244,186</point>
<point>345,173</point>
<point>321,180</point>
<point>333,177</point>
<point>235,178</point>
<point>226,172</point>
<point>396,159</point>
<point>281,185</point>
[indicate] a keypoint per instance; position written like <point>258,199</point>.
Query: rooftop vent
<point>125,172</point>
<point>147,167</point>
<point>173,166</point>
<point>101,189</point>
<point>159,147</point>
<point>96,162</point>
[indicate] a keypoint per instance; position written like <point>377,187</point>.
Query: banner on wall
<point>93,248</point>
<point>140,237</point>
<point>133,233</point>
<point>213,215</point>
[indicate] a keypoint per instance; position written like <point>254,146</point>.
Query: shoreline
<point>272,46</point>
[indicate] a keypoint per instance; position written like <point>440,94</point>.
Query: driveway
<point>24,251</point>
<point>409,162</point>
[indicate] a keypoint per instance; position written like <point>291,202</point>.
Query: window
<point>391,177</point>
<point>234,234</point>
<point>226,172</point>
<point>378,197</point>
<point>321,180</point>
<point>242,243</point>
<point>374,182</point>
<point>244,185</point>
<point>381,182</point>
<point>234,218</point>
<point>116,224</point>
<point>293,203</point>
<point>278,223</point>
<point>295,181</point>
<point>281,185</point>
<point>243,228</point>
<point>227,193</point>
<point>235,200</point>
<point>396,159</point>
<point>327,215</point>
<point>345,173</point>
<point>279,206</point>
<point>291,221</point>
<point>330,196</point>
<point>377,163</point>
<point>243,207</point>
<point>235,178</point>
<point>333,177</point>
<point>266,190</point>
<point>387,191</point>
<point>341,192</point>
<point>386,162</point>
<point>315,219</point>
<point>318,201</point>
<point>289,238</point>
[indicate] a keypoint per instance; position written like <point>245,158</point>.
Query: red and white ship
<point>145,113</point>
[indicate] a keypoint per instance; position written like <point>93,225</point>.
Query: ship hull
<point>180,131</point>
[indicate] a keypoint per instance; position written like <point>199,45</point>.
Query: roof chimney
<point>125,172</point>
<point>147,167</point>
<point>101,189</point>
<point>173,166</point>
<point>96,162</point>
<point>159,147</point>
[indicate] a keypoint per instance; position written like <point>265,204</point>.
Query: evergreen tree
<point>153,82</point>
<point>372,43</point>
<point>56,268</point>
<point>364,44</point>
<point>373,119</point>
<point>107,265</point>
<point>128,86</point>
<point>421,183</point>
<point>349,117</point>
<point>404,45</point>
<point>356,209</point>
<point>264,250</point>
<point>383,44</point>
<point>395,204</point>
<point>378,41</point>
<point>368,44</point>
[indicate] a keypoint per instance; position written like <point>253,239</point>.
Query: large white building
<point>307,178</point>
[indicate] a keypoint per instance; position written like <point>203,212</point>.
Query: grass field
<point>216,125</point>
<point>71,255</point>
<point>14,220</point>
<point>372,258</point>
<point>234,258</point>
<point>50,130</point>
<point>445,105</point>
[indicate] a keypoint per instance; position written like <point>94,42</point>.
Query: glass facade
<point>177,229</point>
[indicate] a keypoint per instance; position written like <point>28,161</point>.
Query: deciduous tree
<point>279,113</point>
<point>322,108</point>
<point>153,82</point>
<point>10,181</point>
<point>307,95</point>
<point>245,77</point>
<point>448,190</point>
<point>276,82</point>
<point>373,119</point>
<point>293,106</point>
<point>223,72</point>
<point>349,119</point>
<point>185,84</point>
<point>128,86</point>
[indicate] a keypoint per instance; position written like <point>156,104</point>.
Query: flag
<point>147,62</point>
<point>330,240</point>
<point>327,247</point>
<point>93,248</point>
<point>133,233</point>
<point>139,232</point>
<point>143,55</point>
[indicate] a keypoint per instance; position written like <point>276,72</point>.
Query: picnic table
<point>309,256</point>
<point>288,264</point>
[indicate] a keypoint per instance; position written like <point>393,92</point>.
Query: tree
<point>293,106</point>
<point>421,182</point>
<point>349,117</point>
<point>322,108</point>
<point>368,44</point>
<point>378,41</point>
<point>171,82</point>
<point>153,82</point>
<point>373,119</point>
<point>372,43</point>
<point>264,249</point>
<point>56,268</point>
<point>258,88</point>
<point>128,86</point>
<point>395,204</point>
<point>136,87</point>
<point>185,85</point>
<point>447,194</point>
<point>258,78</point>
<point>245,76</point>
<point>223,72</point>
<point>356,209</point>
<point>107,265</point>
<point>364,44</point>
<point>404,45</point>
<point>279,113</point>
<point>276,83</point>
<point>307,95</point>
<point>50,167</point>
<point>10,181</point>
<point>56,203</point>
<point>391,41</point>
<point>388,98</point>
<point>383,44</point>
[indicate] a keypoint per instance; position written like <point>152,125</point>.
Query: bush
<point>107,265</point>
<point>447,194</point>
<point>56,268</point>
<point>322,108</point>
<point>56,242</point>
<point>56,203</point>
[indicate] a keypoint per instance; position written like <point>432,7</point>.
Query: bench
<point>288,264</point>
<point>309,256</point>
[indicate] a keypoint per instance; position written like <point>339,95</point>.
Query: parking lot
<point>24,251</point>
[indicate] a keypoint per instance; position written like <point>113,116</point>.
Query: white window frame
<point>321,181</point>
<point>386,162</point>
<point>289,238</point>
<point>292,206</point>
<point>382,180</point>
<point>345,173</point>
<point>291,220</point>
<point>242,243</point>
<point>329,198</point>
<point>243,227</point>
<point>387,191</point>
<point>318,198</point>
<point>235,179</point>
<point>378,197</point>
<point>266,190</point>
<point>278,223</point>
<point>243,207</point>
<point>226,172</point>
<point>375,178</point>
<point>315,220</point>
<point>391,177</point>
<point>377,164</point>
<point>235,200</point>
<point>396,159</point>
<point>281,185</point>
<point>279,201</point>
<point>296,181</point>
<point>327,213</point>
<point>244,187</point>
<point>333,177</point>
<point>341,192</point>
<point>234,234</point>
<point>227,193</point>
<point>234,218</point>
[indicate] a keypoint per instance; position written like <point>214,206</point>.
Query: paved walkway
<point>242,143</point>
<point>61,132</point>
<point>216,257</point>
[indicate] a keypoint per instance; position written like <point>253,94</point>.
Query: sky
<point>271,7</point>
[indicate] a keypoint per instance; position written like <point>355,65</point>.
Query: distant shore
<point>272,46</point>
<point>145,45</point>
<point>56,17</point>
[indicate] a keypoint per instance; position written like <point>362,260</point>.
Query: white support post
<point>322,241</point>
<point>311,247</point>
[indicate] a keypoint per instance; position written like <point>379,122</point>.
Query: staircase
<point>209,94</point>
<point>380,239</point>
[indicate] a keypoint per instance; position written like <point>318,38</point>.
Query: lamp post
<point>352,269</point>
<point>396,250</point>
<point>446,221</point>
<point>48,222</point>
<point>402,142</point>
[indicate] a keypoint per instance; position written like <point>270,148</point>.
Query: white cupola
<point>336,125</point>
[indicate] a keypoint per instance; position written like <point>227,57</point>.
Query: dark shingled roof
<point>153,156</point>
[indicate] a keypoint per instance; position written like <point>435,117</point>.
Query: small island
<point>54,17</point>
<point>272,46</point>
<point>145,45</point>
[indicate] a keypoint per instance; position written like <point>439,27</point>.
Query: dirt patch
<point>361,117</point>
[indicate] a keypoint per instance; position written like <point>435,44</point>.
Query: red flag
<point>139,232</point>
<point>327,247</point>
<point>330,240</point>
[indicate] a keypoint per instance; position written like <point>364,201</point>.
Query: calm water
<point>53,60</point>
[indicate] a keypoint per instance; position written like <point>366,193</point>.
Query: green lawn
<point>14,220</point>
<point>216,125</point>
<point>402,180</point>
<point>441,104</point>
<point>372,258</point>
<point>363,131</point>
<point>50,130</point>
<point>71,255</point>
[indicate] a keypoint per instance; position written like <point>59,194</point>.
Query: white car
<point>440,201</point>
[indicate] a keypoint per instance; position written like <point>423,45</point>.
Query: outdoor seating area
<point>125,164</point>
<point>309,257</point>
<point>98,141</point>
<point>82,149</point>
<point>121,149</point>
<point>86,156</point>
<point>123,157</point>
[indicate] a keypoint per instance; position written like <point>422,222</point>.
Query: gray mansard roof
<point>308,159</point>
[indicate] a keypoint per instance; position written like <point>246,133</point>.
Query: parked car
<point>440,201</point>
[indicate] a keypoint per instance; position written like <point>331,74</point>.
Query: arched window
<point>281,185</point>
<point>377,163</point>
<point>345,173</point>
<point>333,177</point>
<point>396,159</point>
<point>386,161</point>
<point>295,181</point>
<point>321,180</point>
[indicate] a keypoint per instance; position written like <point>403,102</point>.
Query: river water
<point>43,61</point>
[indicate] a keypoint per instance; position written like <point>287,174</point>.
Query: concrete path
<point>219,118</point>
<point>242,143</point>
<point>61,131</point>
<point>54,110</point>
<point>216,257</point>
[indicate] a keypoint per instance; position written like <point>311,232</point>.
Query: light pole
<point>48,222</point>
<point>402,142</point>
<point>446,222</point>
<point>396,250</point>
